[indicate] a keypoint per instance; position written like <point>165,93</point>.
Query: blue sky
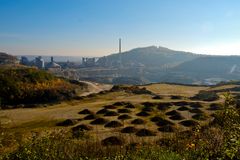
<point>92,27</point>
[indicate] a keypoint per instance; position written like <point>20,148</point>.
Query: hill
<point>22,85</point>
<point>7,59</point>
<point>147,57</point>
<point>221,68</point>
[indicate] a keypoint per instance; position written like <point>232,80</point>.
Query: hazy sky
<point>92,27</point>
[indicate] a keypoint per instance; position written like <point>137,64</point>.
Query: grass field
<point>179,116</point>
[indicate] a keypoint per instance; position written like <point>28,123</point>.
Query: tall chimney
<point>120,46</point>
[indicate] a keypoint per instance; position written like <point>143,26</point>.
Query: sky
<point>93,27</point>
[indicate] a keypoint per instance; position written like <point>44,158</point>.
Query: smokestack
<point>120,45</point>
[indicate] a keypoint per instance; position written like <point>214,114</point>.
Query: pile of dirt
<point>120,103</point>
<point>149,104</point>
<point>82,127</point>
<point>102,111</point>
<point>138,121</point>
<point>164,122</point>
<point>111,113</point>
<point>215,107</point>
<point>147,109</point>
<point>99,121</point>
<point>90,117</point>
<point>113,124</point>
<point>143,114</point>
<point>156,119</point>
<point>129,129</point>
<point>85,111</point>
<point>67,122</point>
<point>166,128</point>
<point>189,123</point>
<point>164,106</point>
<point>196,105</point>
<point>199,117</point>
<point>124,110</point>
<point>181,103</point>
<point>124,117</point>
<point>183,108</point>
<point>196,110</point>
<point>157,97</point>
<point>129,105</point>
<point>112,141</point>
<point>172,113</point>
<point>176,117</point>
<point>110,107</point>
<point>145,133</point>
<point>176,97</point>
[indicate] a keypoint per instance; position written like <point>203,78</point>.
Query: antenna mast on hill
<point>120,51</point>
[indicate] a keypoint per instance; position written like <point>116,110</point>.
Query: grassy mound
<point>99,121</point>
<point>176,117</point>
<point>172,113</point>
<point>129,129</point>
<point>110,107</point>
<point>166,128</point>
<point>145,133</point>
<point>124,110</point>
<point>147,109</point>
<point>130,106</point>
<point>113,124</point>
<point>102,111</point>
<point>156,119</point>
<point>189,123</point>
<point>143,114</point>
<point>85,111</point>
<point>199,117</point>
<point>82,127</point>
<point>183,108</point>
<point>138,121</point>
<point>215,106</point>
<point>111,113</point>
<point>67,122</point>
<point>112,141</point>
<point>124,117</point>
<point>90,117</point>
<point>196,110</point>
<point>164,122</point>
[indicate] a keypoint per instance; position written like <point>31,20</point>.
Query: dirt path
<point>95,88</point>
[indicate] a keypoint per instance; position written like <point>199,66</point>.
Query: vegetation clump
<point>32,86</point>
<point>206,96</point>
